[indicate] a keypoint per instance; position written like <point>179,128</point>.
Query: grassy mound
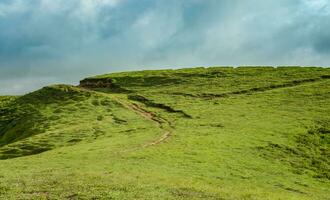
<point>55,116</point>
<point>214,80</point>
<point>199,133</point>
<point>23,117</point>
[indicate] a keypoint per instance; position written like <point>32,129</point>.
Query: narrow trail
<point>163,124</point>
<point>158,121</point>
<point>151,117</point>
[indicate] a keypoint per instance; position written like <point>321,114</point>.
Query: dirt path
<point>160,122</point>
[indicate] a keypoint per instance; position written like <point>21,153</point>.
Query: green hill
<point>199,133</point>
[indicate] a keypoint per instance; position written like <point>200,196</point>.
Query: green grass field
<point>201,133</point>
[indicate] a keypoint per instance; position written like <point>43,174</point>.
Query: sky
<point>46,42</point>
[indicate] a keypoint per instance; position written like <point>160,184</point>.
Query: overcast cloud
<point>58,41</point>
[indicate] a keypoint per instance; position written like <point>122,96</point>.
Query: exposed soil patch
<point>152,117</point>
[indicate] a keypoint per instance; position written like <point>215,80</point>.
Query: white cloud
<point>90,8</point>
<point>77,38</point>
<point>22,85</point>
<point>111,3</point>
<point>316,4</point>
<point>15,6</point>
<point>317,7</point>
<point>158,25</point>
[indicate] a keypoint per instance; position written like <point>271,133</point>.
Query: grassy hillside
<point>58,116</point>
<point>200,133</point>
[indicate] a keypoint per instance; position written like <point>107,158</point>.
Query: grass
<point>309,154</point>
<point>58,116</point>
<point>235,133</point>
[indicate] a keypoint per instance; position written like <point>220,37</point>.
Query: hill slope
<point>200,133</point>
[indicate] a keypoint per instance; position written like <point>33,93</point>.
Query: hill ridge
<point>171,134</point>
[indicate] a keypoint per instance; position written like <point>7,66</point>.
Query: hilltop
<point>197,133</point>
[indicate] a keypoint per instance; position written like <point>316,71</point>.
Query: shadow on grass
<point>310,153</point>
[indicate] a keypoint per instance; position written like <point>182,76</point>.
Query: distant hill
<point>197,133</point>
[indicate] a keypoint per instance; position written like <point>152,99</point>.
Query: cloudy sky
<point>62,41</point>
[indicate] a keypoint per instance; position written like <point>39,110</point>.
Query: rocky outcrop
<point>96,83</point>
